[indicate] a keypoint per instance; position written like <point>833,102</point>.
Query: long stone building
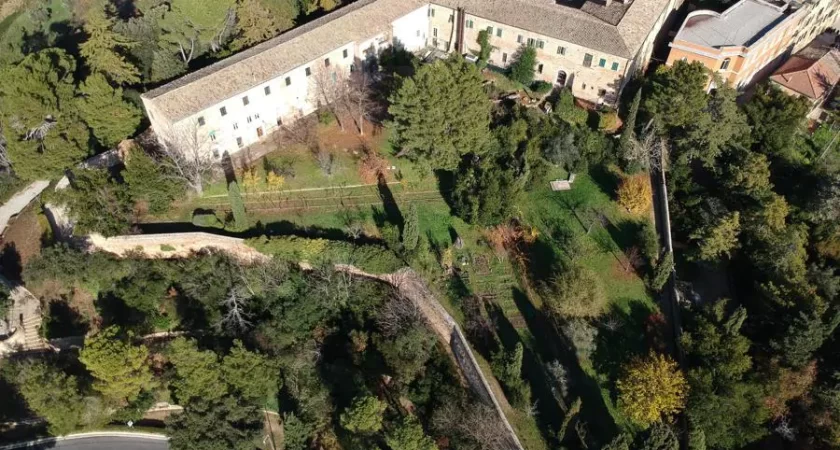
<point>593,47</point>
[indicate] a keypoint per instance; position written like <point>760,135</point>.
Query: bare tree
<point>560,378</point>
<point>360,98</point>
<point>784,429</point>
<point>477,422</point>
<point>301,130</point>
<point>398,314</point>
<point>187,154</point>
<point>648,149</point>
<point>330,89</point>
<point>236,318</point>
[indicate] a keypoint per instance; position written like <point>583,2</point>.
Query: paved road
<point>124,441</point>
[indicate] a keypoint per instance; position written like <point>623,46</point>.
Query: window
<point>256,116</point>
<point>614,67</point>
<point>541,44</point>
<point>725,64</point>
<point>540,68</point>
<point>212,136</point>
<point>239,142</point>
<point>279,121</point>
<point>587,60</point>
<point>504,58</point>
<point>249,119</point>
<point>470,24</point>
<point>489,31</point>
<point>602,92</point>
<point>345,53</point>
<point>561,50</point>
<point>431,12</point>
<point>434,32</point>
<point>267,90</point>
<point>531,42</point>
<point>307,71</point>
<point>201,121</point>
<point>602,62</point>
<point>326,62</point>
<point>288,81</point>
<point>418,33</point>
<point>498,32</point>
<point>451,18</point>
<point>235,126</point>
<point>223,111</point>
<point>245,100</point>
<point>519,39</point>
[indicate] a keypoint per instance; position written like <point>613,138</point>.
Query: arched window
<point>725,64</point>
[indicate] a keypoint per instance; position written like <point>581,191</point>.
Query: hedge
<point>370,258</point>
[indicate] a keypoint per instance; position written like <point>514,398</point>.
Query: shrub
<point>325,117</point>
<point>541,87</point>
<point>167,248</point>
<point>522,68</point>
<point>607,120</point>
<point>576,293</point>
<point>372,258</point>
<point>484,43</point>
<point>635,194</point>
<point>567,111</point>
<point>206,220</point>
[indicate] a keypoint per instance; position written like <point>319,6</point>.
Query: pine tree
<point>626,143</point>
<point>522,69</point>
<point>411,229</point>
<point>102,49</point>
<point>804,337</point>
<point>120,370</point>
<point>364,416</point>
<point>237,207</point>
<point>107,113</point>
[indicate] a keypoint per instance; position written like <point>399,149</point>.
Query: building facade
<point>745,43</point>
<point>593,49</point>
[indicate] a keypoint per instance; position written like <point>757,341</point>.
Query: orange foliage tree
<point>634,193</point>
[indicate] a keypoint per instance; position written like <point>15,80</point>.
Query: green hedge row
<point>370,258</point>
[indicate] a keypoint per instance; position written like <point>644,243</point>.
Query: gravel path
<point>19,201</point>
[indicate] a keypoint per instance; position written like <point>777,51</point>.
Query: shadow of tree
<point>114,311</point>
<point>10,262</point>
<point>64,321</point>
<point>621,337</point>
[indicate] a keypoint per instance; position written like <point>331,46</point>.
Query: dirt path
<point>19,201</point>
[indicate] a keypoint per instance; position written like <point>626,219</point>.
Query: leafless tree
<point>225,32</point>
<point>560,379</point>
<point>187,154</point>
<point>582,431</point>
<point>612,323</point>
<point>360,98</point>
<point>478,422</point>
<point>330,89</point>
<point>301,130</point>
<point>784,429</point>
<point>398,314</point>
<point>39,133</point>
<point>334,286</point>
<point>236,318</point>
<point>647,149</point>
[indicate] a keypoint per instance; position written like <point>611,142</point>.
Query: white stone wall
<point>410,30</point>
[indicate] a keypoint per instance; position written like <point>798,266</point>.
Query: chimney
<point>607,3</point>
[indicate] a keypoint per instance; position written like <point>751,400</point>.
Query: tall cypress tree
<point>629,133</point>
<point>237,207</point>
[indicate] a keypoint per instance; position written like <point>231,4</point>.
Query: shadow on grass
<point>621,337</point>
<point>607,181</point>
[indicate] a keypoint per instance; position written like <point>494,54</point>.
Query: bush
<point>576,293</point>
<point>522,69</point>
<point>582,336</point>
<point>607,120</point>
<point>325,117</point>
<point>566,110</point>
<point>635,194</point>
<point>207,220</point>
<point>540,87</point>
<point>372,258</point>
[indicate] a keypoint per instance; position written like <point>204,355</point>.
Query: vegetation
<point>524,65</point>
<point>650,388</point>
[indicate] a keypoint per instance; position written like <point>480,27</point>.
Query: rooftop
<point>619,30</point>
<point>814,70</point>
<point>739,26</point>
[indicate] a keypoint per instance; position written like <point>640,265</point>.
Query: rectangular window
<point>307,71</point>
<point>432,12</point>
<point>239,142</point>
<point>256,116</point>
<point>561,50</point>
<point>602,62</point>
<point>540,68</point>
<point>470,24</point>
<point>288,81</point>
<point>245,100</point>
<point>279,121</point>
<point>223,111</point>
<point>602,92</point>
<point>434,32</point>
<point>532,42</point>
<point>489,31</point>
<point>326,62</point>
<point>498,32</point>
<point>519,39</point>
<point>504,58</point>
<point>451,18</point>
<point>587,60</point>
<point>213,136</point>
<point>614,67</point>
<point>201,121</point>
<point>541,44</point>
<point>248,119</point>
<point>344,53</point>
<point>235,126</point>
<point>267,90</point>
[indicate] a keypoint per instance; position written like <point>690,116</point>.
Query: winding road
<point>96,441</point>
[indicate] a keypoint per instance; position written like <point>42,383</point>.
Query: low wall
<point>174,245</point>
<point>19,201</point>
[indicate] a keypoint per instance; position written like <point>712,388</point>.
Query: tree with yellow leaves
<point>634,193</point>
<point>652,387</point>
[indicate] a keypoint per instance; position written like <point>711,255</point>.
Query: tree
<point>625,143</point>
<point>576,292</point>
<point>148,181</point>
<point>187,156</point>
<point>635,194</point>
<point>237,206</point>
<point>284,12</point>
<point>364,415</point>
<point>567,111</point>
<point>120,369</point>
<point>255,23</point>
<point>507,366</point>
<point>662,272</point>
<point>720,124</point>
<point>360,98</point>
<point>331,89</point>
<point>107,113</point>
<point>486,191</point>
<point>98,203</point>
<point>50,394</point>
<point>660,437</point>
<point>198,377</point>
<point>746,172</point>
<point>776,119</point>
<point>254,376</point>
<point>191,27</point>
<point>563,151</point>
<point>677,94</point>
<point>524,62</point>
<point>441,113</point>
<point>651,387</point>
<point>805,335</point>
<point>226,424</point>
<point>103,49</point>
<point>296,433</point>
<point>43,132</point>
<point>407,353</point>
<point>411,229</point>
<point>483,41</point>
<point>718,239</point>
<point>409,435</point>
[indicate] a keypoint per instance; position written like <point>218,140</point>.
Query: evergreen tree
<point>409,435</point>
<point>676,95</point>
<point>776,118</point>
<point>49,393</point>
<point>253,376</point>
<point>254,24</point>
<point>98,203</point>
<point>804,337</point>
<point>197,374</point>
<point>237,207</point>
<point>628,136</point>
<point>102,50</point>
<point>411,229</point>
<point>364,416</point>
<point>120,370</point>
<point>441,113</point>
<point>226,424</point>
<point>107,113</point>
<point>523,66</point>
<point>485,47</point>
<point>148,182</point>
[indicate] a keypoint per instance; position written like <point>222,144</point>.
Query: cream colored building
<point>594,49</point>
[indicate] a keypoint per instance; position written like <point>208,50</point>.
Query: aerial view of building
<point>594,49</point>
<point>812,73</point>
<point>747,41</point>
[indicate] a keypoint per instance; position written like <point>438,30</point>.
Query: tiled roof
<point>364,18</point>
<point>811,72</point>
